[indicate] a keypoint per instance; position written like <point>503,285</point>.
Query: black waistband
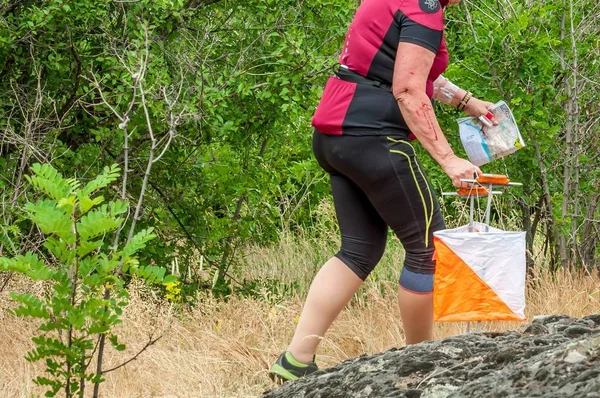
<point>349,76</point>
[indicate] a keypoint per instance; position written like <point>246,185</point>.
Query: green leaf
<point>106,265</point>
<point>59,249</point>
<point>118,207</point>
<point>76,318</point>
<point>86,203</point>
<point>109,175</point>
<point>114,341</point>
<point>138,242</point>
<point>51,220</point>
<point>48,180</point>
<point>28,264</point>
<point>86,247</point>
<point>67,204</point>
<point>151,273</point>
<point>30,306</point>
<point>96,223</point>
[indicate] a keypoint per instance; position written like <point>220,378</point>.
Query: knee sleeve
<point>416,282</point>
<point>361,256</point>
<point>417,274</point>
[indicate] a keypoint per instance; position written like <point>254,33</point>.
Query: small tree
<point>86,271</point>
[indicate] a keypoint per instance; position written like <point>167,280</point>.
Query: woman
<point>378,101</point>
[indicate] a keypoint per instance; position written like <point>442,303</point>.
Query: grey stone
<point>535,329</point>
<point>593,318</point>
<point>574,357</point>
<point>546,319</point>
<point>576,331</point>
<point>556,356</point>
<point>439,391</point>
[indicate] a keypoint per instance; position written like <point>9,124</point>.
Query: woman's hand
<point>476,107</point>
<point>457,168</point>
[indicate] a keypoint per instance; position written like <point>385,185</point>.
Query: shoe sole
<point>280,375</point>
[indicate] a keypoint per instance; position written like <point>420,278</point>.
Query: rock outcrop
<point>554,356</point>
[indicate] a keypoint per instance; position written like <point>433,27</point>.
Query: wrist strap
<point>463,102</point>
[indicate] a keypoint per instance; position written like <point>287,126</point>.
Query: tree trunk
<point>589,237</point>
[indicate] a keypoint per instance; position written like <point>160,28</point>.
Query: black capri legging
<point>377,181</point>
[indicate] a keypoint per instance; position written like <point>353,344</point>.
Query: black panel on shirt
<point>403,29</point>
<point>382,65</point>
<point>414,32</point>
<point>373,111</point>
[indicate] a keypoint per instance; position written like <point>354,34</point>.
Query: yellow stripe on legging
<point>429,219</point>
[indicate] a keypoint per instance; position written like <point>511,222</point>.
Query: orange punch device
<point>494,179</point>
<point>490,180</point>
<point>473,191</point>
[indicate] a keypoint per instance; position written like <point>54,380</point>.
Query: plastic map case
<point>484,144</point>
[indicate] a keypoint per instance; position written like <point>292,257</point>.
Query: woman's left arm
<point>447,92</point>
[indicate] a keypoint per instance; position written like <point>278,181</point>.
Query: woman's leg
<point>364,236</point>
<point>415,297</point>
<point>330,291</point>
<point>416,311</point>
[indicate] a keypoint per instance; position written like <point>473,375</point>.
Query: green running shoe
<point>288,368</point>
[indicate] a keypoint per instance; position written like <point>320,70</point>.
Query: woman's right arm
<point>411,70</point>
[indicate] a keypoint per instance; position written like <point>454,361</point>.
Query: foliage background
<point>230,87</point>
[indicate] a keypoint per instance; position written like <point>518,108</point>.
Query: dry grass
<point>223,349</point>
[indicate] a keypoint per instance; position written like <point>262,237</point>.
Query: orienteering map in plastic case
<point>484,144</point>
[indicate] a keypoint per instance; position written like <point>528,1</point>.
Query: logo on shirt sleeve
<point>429,6</point>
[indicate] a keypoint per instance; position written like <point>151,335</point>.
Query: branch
<point>173,120</point>
<point>9,276</point>
<point>74,96</point>
<point>151,341</point>
<point>140,201</point>
<point>476,5</point>
<point>470,21</point>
